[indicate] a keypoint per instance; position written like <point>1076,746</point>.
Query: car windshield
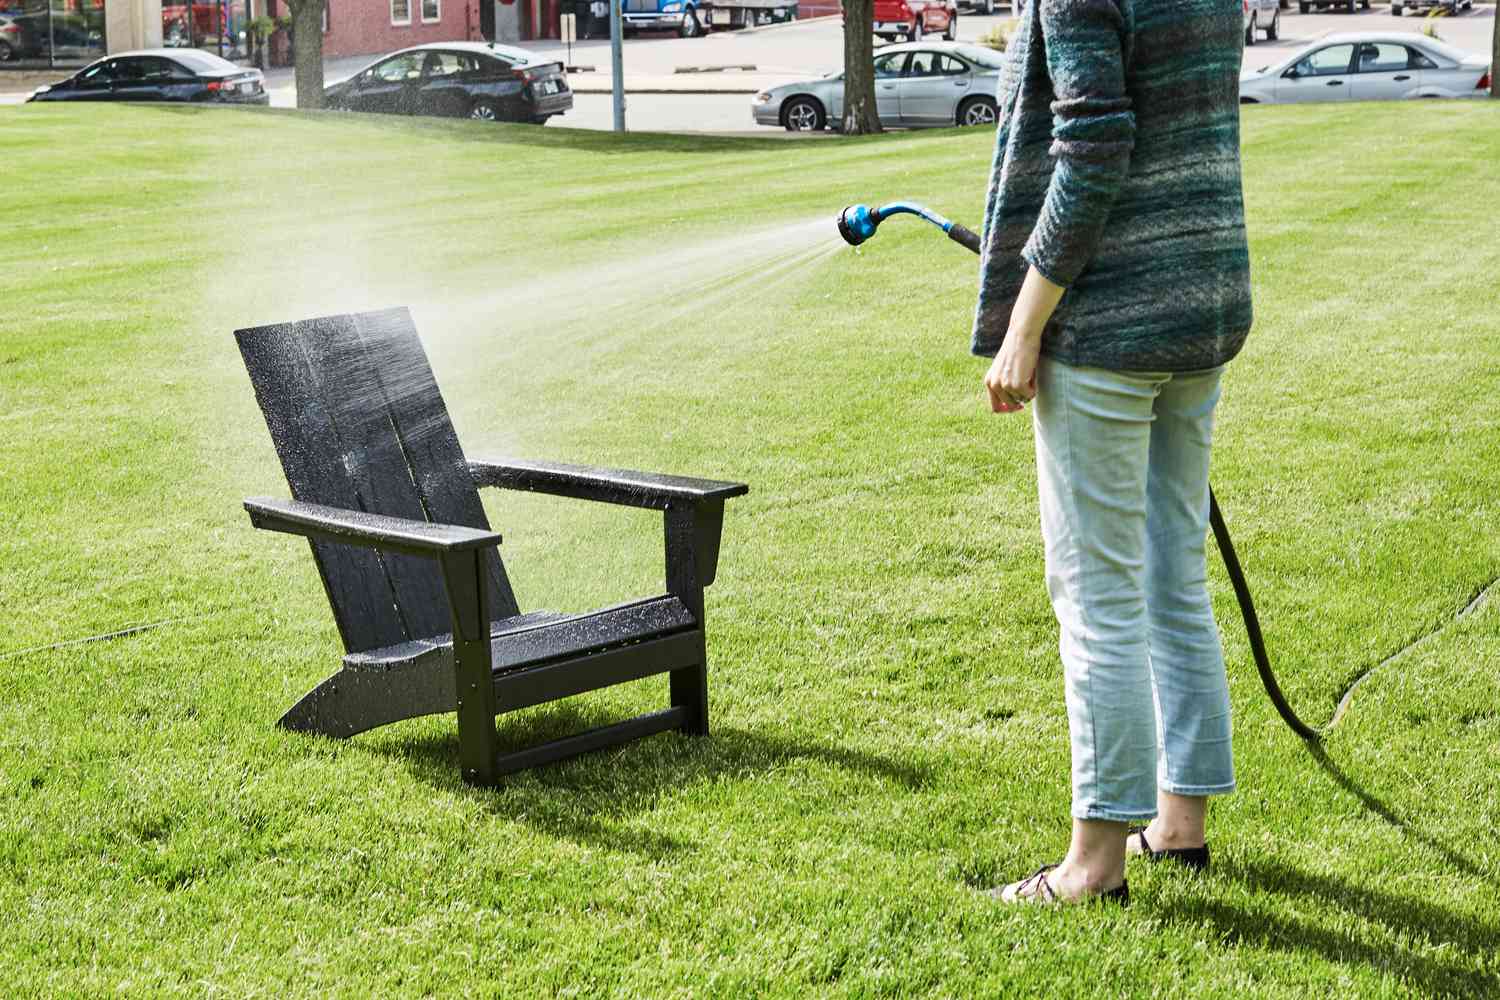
<point>988,58</point>
<point>204,62</point>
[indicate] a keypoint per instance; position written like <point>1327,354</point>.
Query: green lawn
<point>886,701</point>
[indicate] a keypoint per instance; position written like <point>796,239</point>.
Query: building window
<point>401,11</point>
<point>432,10</point>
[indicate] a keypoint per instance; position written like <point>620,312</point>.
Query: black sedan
<point>160,75</point>
<point>477,80</point>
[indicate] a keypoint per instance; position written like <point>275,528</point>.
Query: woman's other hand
<point>1011,380</point>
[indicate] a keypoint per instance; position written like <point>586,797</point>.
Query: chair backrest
<point>359,423</point>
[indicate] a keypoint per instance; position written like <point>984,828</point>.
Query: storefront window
<point>217,26</point>
<point>51,32</point>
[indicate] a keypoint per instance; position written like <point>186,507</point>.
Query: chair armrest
<point>621,486</point>
<point>376,531</point>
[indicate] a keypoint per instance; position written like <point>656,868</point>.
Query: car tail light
<point>524,75</point>
<point>1484,82</point>
<point>217,85</point>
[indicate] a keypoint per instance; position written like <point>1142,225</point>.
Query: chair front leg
<point>463,575</point>
<point>692,549</point>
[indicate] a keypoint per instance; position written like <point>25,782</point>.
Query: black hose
<point>967,238</point>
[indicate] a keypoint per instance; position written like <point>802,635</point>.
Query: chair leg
<point>353,701</point>
<point>474,684</point>
<point>689,688</point>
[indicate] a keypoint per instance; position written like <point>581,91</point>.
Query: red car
<point>911,19</point>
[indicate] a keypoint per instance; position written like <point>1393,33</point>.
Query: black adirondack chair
<point>429,622</point>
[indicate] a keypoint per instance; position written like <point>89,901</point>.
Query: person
<point>1114,288</point>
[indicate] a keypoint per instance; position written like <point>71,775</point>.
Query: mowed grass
<point>886,702</point>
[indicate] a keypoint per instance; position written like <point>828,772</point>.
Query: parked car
<point>11,45</point>
<point>479,80</point>
<point>1368,66</point>
<point>990,7</point>
<point>917,84</point>
<point>682,16</point>
<point>160,75</point>
<point>1304,6</point>
<point>1399,7</point>
<point>912,19</point>
<point>57,35</point>
<point>1262,15</point>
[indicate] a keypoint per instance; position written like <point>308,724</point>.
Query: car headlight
<point>764,97</point>
<point>672,8</point>
<point>42,89</point>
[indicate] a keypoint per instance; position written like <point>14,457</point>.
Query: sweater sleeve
<point>1093,132</point>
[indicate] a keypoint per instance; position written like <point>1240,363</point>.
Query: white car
<point>1368,66</point>
<point>1262,15</point>
<point>917,85</point>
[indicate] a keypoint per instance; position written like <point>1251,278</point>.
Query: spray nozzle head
<point>857,223</point>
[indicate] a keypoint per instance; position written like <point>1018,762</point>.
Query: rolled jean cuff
<point>1173,788</point>
<point>1113,815</point>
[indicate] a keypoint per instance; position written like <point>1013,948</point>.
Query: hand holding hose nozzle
<point>858,223</point>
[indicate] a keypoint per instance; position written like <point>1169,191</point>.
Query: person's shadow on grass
<point>1408,937</point>
<point>592,798</point>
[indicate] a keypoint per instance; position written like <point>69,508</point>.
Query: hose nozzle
<point>857,223</point>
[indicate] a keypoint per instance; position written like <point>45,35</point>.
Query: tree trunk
<point>1495,58</point>
<point>307,51</point>
<point>860,115</point>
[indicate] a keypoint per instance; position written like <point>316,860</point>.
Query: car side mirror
<point>1291,74</point>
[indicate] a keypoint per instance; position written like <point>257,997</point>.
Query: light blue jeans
<point>1122,462</point>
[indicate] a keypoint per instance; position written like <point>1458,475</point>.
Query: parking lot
<point>704,84</point>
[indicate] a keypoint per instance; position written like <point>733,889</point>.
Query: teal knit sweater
<point>1117,175</point>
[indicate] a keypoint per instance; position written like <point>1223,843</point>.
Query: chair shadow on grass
<point>592,798</point>
<point>1436,972</point>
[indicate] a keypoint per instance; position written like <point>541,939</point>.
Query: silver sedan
<point>917,84</point>
<point>1368,66</point>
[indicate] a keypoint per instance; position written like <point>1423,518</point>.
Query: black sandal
<point>1195,858</point>
<point>1035,888</point>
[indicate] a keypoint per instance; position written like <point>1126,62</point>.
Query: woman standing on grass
<point>1115,285</point>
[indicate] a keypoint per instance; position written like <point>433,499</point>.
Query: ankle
<point>1164,833</point>
<point>1082,877</point>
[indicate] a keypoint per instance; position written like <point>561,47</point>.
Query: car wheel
<point>1274,31</point>
<point>977,111</point>
<point>1285,4</point>
<point>1303,8</point>
<point>1250,30</point>
<point>1353,6</point>
<point>803,114</point>
<point>952,31</point>
<point>690,26</point>
<point>6,52</point>
<point>989,8</point>
<point>484,111</point>
<point>1396,10</point>
<point>540,119</point>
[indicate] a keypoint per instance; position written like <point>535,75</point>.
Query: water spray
<point>858,223</point>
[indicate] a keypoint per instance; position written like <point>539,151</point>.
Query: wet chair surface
<point>429,622</point>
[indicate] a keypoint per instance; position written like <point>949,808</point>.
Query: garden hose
<point>858,223</point>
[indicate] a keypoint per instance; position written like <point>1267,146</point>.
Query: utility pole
<point>617,62</point>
